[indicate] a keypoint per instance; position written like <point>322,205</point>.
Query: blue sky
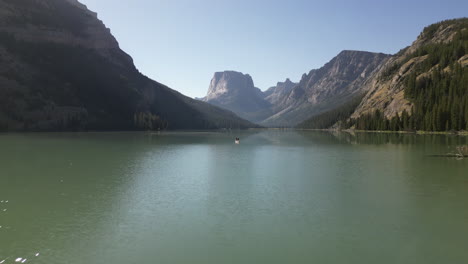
<point>181,43</point>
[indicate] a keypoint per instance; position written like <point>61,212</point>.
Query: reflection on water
<point>383,138</point>
<point>278,197</point>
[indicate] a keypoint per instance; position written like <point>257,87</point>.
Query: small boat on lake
<point>237,141</point>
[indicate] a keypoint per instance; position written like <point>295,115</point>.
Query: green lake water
<point>278,197</point>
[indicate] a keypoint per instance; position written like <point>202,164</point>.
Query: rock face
<point>323,89</point>
<point>73,24</point>
<point>236,92</point>
<point>276,93</point>
<point>386,87</point>
<point>288,103</point>
<point>61,69</point>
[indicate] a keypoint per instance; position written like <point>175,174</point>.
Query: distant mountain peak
<point>227,82</point>
<point>235,91</point>
<point>287,81</point>
<point>276,93</point>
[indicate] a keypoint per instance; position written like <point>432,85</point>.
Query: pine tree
<point>405,120</point>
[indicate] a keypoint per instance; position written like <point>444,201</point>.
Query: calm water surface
<point>278,197</point>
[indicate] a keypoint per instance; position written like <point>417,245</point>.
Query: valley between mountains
<point>62,70</point>
<point>422,87</point>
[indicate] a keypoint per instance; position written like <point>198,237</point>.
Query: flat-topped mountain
<point>236,92</point>
<point>61,69</point>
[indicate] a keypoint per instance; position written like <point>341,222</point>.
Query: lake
<point>196,197</point>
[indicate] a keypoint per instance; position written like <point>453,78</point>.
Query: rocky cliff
<point>276,93</point>
<point>61,69</point>
<point>236,92</point>
<point>323,89</point>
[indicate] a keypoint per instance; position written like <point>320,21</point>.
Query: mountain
<point>323,89</point>
<point>236,92</point>
<point>276,93</point>
<point>288,103</point>
<point>334,118</point>
<point>423,87</point>
<point>62,69</point>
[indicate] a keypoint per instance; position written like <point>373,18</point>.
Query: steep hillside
<point>61,69</point>
<point>335,118</point>
<point>423,87</point>
<point>324,89</point>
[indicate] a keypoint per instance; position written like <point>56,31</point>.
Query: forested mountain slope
<point>424,87</point>
<point>61,70</point>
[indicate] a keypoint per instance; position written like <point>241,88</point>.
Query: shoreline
<point>420,132</point>
<point>457,133</point>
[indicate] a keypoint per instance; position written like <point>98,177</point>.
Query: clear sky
<point>181,43</point>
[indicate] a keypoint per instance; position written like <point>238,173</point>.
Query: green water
<point>278,197</point>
